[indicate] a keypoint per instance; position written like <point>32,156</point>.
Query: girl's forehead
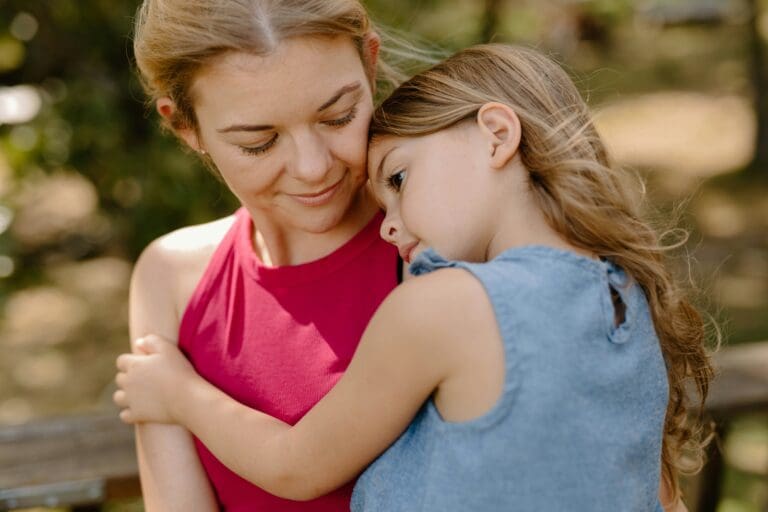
<point>378,149</point>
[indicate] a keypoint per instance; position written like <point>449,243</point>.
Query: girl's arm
<point>410,346</point>
<point>172,478</point>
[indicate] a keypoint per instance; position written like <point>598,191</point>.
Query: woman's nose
<point>312,158</point>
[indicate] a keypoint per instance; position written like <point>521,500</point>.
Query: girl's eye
<point>257,150</point>
<point>342,121</point>
<point>395,181</point>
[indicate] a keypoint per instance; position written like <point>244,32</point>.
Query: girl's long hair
<point>583,196</point>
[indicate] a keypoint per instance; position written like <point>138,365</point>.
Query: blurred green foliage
<point>94,122</point>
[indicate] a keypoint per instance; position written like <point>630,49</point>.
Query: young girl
<point>538,361</point>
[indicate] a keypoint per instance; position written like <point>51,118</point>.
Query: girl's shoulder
<point>445,307</point>
<point>442,290</point>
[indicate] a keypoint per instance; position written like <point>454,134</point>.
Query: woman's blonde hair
<point>173,39</point>
<point>582,195</point>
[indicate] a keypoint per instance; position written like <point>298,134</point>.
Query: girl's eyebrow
<point>383,159</point>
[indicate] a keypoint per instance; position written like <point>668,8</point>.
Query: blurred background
<point>87,179</point>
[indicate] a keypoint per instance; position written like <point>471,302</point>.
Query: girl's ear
<point>500,125</point>
<point>166,108</point>
<point>371,47</point>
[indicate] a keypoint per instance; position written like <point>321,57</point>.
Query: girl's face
<point>437,191</point>
<point>288,131</point>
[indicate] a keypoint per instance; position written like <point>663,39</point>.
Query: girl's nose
<point>388,231</point>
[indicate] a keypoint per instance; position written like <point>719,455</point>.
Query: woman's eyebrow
<point>245,128</point>
<point>341,92</point>
<point>263,127</point>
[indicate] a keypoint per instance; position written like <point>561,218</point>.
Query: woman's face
<point>288,131</point>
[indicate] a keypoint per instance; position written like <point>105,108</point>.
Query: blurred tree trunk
<point>759,77</point>
<point>491,17</point>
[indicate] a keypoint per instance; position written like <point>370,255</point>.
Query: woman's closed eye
<point>257,150</point>
<point>336,123</point>
<point>395,180</point>
<point>342,121</point>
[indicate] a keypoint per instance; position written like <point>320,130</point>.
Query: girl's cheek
<point>408,217</point>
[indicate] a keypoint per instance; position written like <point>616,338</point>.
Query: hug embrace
<point>449,302</point>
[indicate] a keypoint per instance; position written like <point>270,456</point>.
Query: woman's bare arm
<point>172,478</point>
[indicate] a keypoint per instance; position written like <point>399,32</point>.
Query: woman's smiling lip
<point>318,198</point>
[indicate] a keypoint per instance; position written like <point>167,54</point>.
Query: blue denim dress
<point>579,424</point>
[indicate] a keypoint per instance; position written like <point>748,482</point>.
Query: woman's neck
<point>279,245</point>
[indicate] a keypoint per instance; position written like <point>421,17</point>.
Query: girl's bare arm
<point>410,346</point>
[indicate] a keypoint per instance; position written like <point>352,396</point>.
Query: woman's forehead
<point>301,74</point>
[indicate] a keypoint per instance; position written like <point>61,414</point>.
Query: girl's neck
<point>523,226</point>
<point>278,245</point>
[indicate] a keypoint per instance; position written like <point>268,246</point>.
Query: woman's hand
<point>149,382</point>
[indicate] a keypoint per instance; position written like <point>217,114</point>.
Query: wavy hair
<point>584,197</point>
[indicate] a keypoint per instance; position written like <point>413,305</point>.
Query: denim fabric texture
<point>579,424</point>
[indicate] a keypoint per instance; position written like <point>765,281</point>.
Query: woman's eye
<point>395,181</point>
<point>257,150</point>
<point>342,121</point>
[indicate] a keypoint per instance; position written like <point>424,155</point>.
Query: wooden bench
<point>85,461</point>
<point>740,387</point>
<point>78,461</point>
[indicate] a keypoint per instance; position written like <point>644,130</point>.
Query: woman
<point>276,97</point>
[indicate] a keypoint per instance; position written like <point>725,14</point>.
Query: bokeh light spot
<point>18,104</point>
<point>24,26</point>
<point>6,266</point>
<point>11,54</point>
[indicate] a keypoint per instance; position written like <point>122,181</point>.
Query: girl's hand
<point>150,381</point>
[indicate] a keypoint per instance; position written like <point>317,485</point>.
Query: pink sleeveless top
<point>278,338</point>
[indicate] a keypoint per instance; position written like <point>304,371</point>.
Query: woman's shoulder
<point>188,243</point>
<point>170,267</point>
<point>185,247</point>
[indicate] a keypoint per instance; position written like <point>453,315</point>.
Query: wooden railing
<point>82,462</point>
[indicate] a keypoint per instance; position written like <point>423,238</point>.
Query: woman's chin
<point>325,218</point>
<point>321,222</point>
